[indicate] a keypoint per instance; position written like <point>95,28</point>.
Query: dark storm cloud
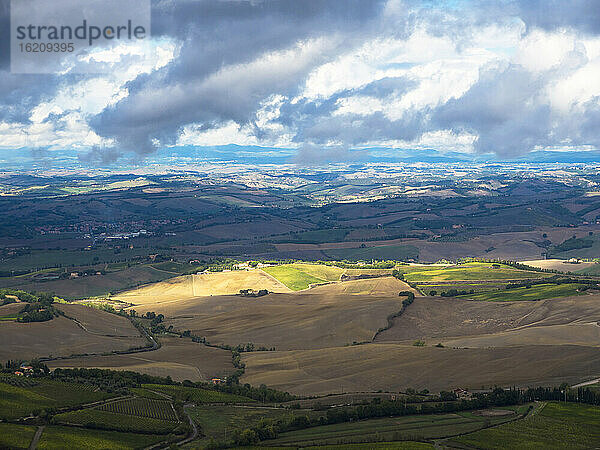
<point>4,35</point>
<point>509,111</point>
<point>19,93</point>
<point>200,85</point>
<point>502,110</point>
<point>233,55</point>
<point>583,15</point>
<point>315,122</point>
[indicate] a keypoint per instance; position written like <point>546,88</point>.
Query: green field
<point>320,271</point>
<point>556,426</point>
<point>376,446</point>
<point>142,407</point>
<point>196,395</point>
<point>141,392</point>
<point>473,286</point>
<point>15,436</point>
<point>18,401</point>
<point>292,276</point>
<point>389,429</point>
<point>216,421</point>
<point>59,438</point>
<point>401,445</point>
<point>535,292</point>
<point>395,252</point>
<point>95,418</point>
<point>466,272</point>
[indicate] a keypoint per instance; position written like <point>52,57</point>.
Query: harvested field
<point>64,337</point>
<point>103,324</point>
<point>330,315</point>
<point>190,286</point>
<point>179,358</point>
<point>383,286</point>
<point>558,264</point>
<point>437,319</point>
<point>587,334</point>
<point>393,367</point>
<point>312,319</point>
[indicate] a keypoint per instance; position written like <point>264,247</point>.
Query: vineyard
<point>197,395</point>
<point>18,401</point>
<point>99,419</point>
<point>18,381</point>
<point>141,392</point>
<point>142,407</point>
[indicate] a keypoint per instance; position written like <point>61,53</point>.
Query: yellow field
<point>299,276</point>
<point>178,358</point>
<point>190,286</point>
<point>325,273</point>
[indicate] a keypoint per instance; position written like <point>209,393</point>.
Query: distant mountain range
<point>29,159</point>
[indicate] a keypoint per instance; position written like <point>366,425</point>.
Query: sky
<point>324,77</point>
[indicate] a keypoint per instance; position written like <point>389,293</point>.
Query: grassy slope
<point>213,420</point>
<point>406,445</point>
<point>390,428</point>
<point>196,395</point>
<point>536,292</point>
<point>470,271</point>
<point>326,273</point>
<point>56,437</point>
<point>557,426</point>
<point>18,402</point>
<point>113,421</point>
<point>15,436</point>
<point>292,277</point>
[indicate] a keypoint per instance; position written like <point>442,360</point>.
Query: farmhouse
<point>462,393</point>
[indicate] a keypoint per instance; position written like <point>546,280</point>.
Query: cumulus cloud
<point>326,76</point>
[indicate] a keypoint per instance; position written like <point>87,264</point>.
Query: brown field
<point>586,334</point>
<point>290,247</point>
<point>468,323</point>
<point>101,324</point>
<point>192,286</point>
<point>285,321</point>
<point>64,337</point>
<point>506,246</point>
<point>383,286</point>
<point>328,315</point>
<point>10,310</point>
<point>558,264</point>
<point>394,367</point>
<point>179,358</point>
